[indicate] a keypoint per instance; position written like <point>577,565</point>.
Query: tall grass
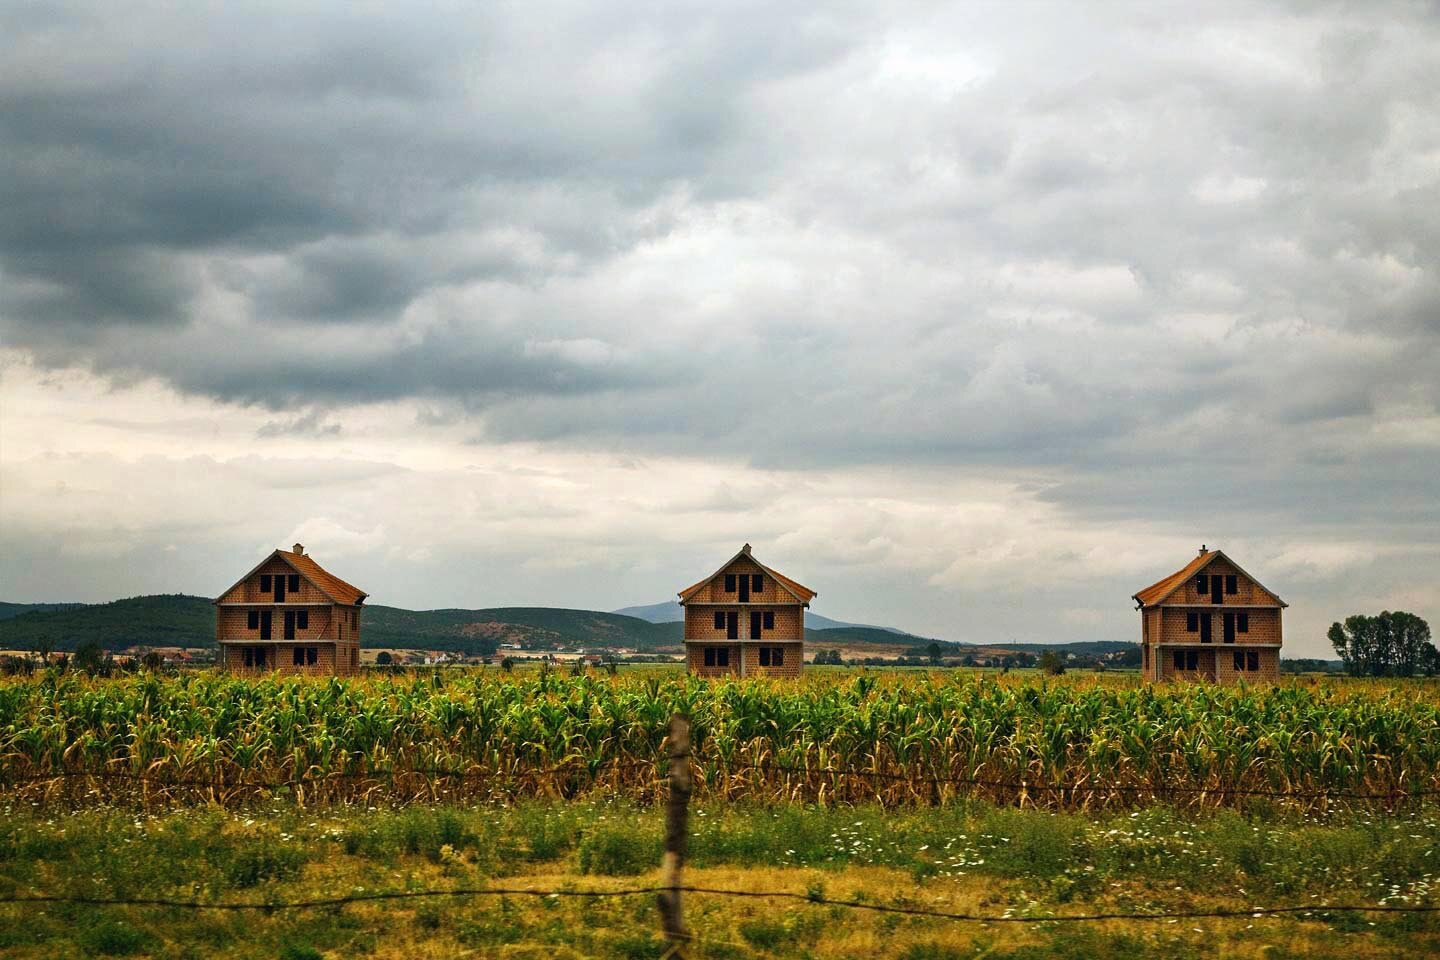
<point>547,735</point>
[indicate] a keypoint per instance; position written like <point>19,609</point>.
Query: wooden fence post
<point>677,817</point>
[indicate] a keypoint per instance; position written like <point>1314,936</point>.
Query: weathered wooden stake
<point>677,828</point>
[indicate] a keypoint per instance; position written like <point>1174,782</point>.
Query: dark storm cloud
<point>1153,257</point>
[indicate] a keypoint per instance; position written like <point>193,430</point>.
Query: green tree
<point>1052,663</point>
<point>1393,643</point>
<point>90,657</point>
<point>1410,637</point>
<point>384,659</point>
<point>934,653</point>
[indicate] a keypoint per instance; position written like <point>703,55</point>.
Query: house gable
<point>323,586</point>
<point>1181,586</point>
<point>776,587</point>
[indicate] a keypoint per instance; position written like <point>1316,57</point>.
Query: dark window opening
<point>1206,628</point>
<point>299,653</point>
<point>1242,622</point>
<point>1216,589</point>
<point>777,657</point>
<point>264,583</point>
<point>307,656</point>
<point>722,656</point>
<point>764,656</point>
<point>769,619</point>
<point>709,656</point>
<point>757,582</point>
<point>1239,660</point>
<point>254,656</point>
<point>732,625</point>
<point>289,624</point>
<point>1252,659</point>
<point>1202,584</point>
<point>729,583</point>
<point>1229,620</point>
<point>279,589</point>
<point>265,625</point>
<point>1232,583</point>
<point>1192,622</point>
<point>744,588</point>
<point>1192,660</point>
<point>302,619</point>
<point>719,620</point>
<point>252,620</point>
<point>1179,660</point>
<point>755,621</point>
<point>294,583</point>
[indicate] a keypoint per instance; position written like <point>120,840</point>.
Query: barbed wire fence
<point>678,786</point>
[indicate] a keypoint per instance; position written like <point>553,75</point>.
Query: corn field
<point>895,740</point>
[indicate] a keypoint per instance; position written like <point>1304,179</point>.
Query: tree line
<point>1390,644</point>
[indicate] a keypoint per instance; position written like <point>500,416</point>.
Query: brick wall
<point>1205,667</point>
<point>234,622</point>
<point>248,591</point>
<point>1248,590</point>
<point>331,659</point>
<point>793,660</point>
<point>789,621</point>
<point>1225,671</point>
<point>695,654</point>
<point>1264,625</point>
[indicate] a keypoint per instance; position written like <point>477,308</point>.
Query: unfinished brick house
<point>290,615</point>
<point>1209,620</point>
<point>745,619</point>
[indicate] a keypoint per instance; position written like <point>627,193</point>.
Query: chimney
<point>745,549</point>
<point>300,549</point>
<point>1203,550</point>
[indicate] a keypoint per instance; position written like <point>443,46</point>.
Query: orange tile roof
<point>799,589</point>
<point>329,584</point>
<point>804,593</point>
<point>1160,590</point>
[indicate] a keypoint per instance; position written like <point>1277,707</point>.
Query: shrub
<point>619,851</point>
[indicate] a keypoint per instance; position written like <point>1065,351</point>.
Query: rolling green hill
<point>167,620</point>
<point>180,620</point>
<point>477,630</point>
<point>8,610</point>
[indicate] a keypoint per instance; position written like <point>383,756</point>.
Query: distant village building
<point>1209,620</point>
<point>745,619</point>
<point>290,615</point>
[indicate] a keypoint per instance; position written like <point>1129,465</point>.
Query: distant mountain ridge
<point>670,611</point>
<point>182,620</point>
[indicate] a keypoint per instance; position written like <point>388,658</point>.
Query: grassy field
<point>969,857</point>
<point>830,787</point>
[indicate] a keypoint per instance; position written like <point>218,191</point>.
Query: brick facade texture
<point>333,629</point>
<point>787,634</point>
<point>1164,630</point>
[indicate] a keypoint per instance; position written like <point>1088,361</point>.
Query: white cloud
<point>970,316</point>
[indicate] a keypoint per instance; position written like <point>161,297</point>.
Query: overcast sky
<point>974,318</point>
